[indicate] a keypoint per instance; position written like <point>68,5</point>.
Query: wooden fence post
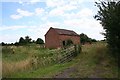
<point>75,47</point>
<point>79,49</point>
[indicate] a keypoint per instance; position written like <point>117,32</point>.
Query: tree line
<point>85,39</point>
<point>25,41</point>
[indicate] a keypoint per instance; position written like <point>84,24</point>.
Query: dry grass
<point>9,68</point>
<point>96,62</point>
<point>27,58</point>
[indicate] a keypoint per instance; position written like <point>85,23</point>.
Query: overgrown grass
<point>27,58</point>
<point>96,62</point>
<point>46,72</point>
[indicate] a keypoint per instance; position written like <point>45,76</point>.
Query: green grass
<point>21,53</point>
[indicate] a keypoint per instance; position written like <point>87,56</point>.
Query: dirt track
<point>66,73</point>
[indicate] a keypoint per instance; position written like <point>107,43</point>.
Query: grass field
<point>94,62</point>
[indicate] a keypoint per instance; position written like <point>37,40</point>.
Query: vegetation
<point>95,62</point>
<point>24,41</point>
<point>67,43</point>
<point>28,58</point>
<point>34,62</point>
<point>109,15</point>
<point>39,41</point>
<point>85,39</point>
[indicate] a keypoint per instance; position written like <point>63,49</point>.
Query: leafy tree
<point>93,40</point>
<point>16,44</point>
<point>39,41</point>
<point>3,44</point>
<point>33,41</point>
<point>21,41</point>
<point>109,17</point>
<point>84,38</point>
<point>27,39</point>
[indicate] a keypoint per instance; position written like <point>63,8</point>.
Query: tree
<point>17,44</point>
<point>109,17</point>
<point>39,41</point>
<point>3,44</point>
<point>27,39</point>
<point>21,41</point>
<point>84,38</point>
<point>93,40</point>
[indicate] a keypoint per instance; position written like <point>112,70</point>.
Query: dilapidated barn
<point>55,38</point>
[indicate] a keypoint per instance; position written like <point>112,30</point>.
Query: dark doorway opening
<point>63,43</point>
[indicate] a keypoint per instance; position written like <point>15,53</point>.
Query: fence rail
<point>60,56</point>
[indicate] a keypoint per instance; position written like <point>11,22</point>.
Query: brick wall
<point>75,39</point>
<point>51,39</point>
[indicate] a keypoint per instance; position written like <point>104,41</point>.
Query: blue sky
<point>34,18</point>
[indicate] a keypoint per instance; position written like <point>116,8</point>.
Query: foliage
<point>109,15</point>
<point>24,41</point>
<point>69,42</point>
<point>24,58</point>
<point>94,61</point>
<point>21,41</point>
<point>3,44</point>
<point>85,39</point>
<point>39,41</point>
<point>27,39</point>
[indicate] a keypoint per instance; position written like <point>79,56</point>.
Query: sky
<point>34,18</point>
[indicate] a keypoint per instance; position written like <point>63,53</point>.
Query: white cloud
<point>56,12</point>
<point>21,13</point>
<point>61,10</point>
<point>24,12</point>
<point>83,13</point>
<point>11,27</point>
<point>39,11</point>
<point>83,23</point>
<point>14,16</point>
<point>86,12</point>
<point>55,3</point>
<point>44,18</point>
<point>34,1</point>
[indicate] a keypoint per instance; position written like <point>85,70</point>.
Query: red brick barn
<point>55,38</point>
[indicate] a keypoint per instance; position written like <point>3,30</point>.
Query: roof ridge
<point>63,29</point>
